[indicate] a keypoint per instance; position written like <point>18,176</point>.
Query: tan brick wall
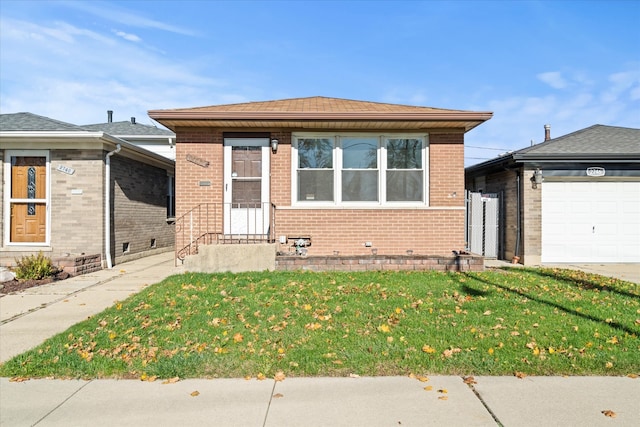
<point>77,208</point>
<point>76,219</point>
<point>532,220</point>
<point>139,209</point>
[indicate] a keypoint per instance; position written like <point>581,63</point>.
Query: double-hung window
<point>360,169</point>
<point>404,173</point>
<point>315,172</point>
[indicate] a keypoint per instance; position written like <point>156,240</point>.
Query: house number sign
<point>197,160</point>
<point>595,171</point>
<point>66,169</point>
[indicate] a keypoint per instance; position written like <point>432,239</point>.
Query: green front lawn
<point>531,321</point>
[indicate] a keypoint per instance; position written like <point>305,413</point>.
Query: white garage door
<point>590,222</point>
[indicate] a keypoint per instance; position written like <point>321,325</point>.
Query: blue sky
<point>570,64</point>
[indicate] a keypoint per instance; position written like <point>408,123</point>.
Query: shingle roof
<point>320,113</point>
<point>315,104</point>
<point>594,140</point>
<point>126,128</point>
<point>29,122</point>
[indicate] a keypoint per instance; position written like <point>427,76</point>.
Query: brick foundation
<point>76,265</point>
<point>381,262</point>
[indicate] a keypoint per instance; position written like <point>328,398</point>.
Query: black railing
<point>224,223</point>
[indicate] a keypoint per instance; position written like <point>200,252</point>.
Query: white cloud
<point>127,36</point>
<point>112,12</point>
<point>517,120</point>
<point>553,79</point>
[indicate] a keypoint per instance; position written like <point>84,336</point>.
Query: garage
<point>590,222</point>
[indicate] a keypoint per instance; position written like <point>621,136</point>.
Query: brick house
<point>322,177</point>
<point>54,198</point>
<point>571,199</point>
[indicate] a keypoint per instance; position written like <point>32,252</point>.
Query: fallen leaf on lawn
<point>469,380</point>
<point>633,376</point>
<point>261,377</point>
<point>279,376</point>
<point>609,413</point>
<point>171,380</point>
<point>238,337</point>
<point>195,393</point>
<point>428,349</point>
<point>278,395</point>
<point>354,376</point>
<point>487,313</point>
<point>443,398</point>
<point>384,328</point>
<point>520,375</point>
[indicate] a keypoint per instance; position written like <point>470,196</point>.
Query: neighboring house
<point>322,176</point>
<point>84,198</point>
<point>156,140</point>
<point>571,199</point>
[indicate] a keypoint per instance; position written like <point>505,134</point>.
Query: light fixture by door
<point>274,145</point>
<point>536,179</point>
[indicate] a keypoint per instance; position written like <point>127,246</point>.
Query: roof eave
<point>522,158</point>
<point>294,115</point>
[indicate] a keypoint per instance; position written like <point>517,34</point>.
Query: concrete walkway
<point>28,318</point>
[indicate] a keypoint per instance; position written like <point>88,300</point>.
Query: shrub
<point>34,267</point>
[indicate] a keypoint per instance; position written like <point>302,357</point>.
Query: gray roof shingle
<point>127,128</point>
<point>29,122</point>
<point>596,140</point>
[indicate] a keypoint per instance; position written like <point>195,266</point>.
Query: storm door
<point>246,187</point>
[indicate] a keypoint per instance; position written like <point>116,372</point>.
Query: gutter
<point>299,115</point>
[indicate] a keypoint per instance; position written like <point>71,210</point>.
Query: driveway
<point>626,271</point>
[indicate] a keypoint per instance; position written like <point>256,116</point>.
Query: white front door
<point>591,222</point>
<point>246,186</point>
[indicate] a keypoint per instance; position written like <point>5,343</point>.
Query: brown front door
<point>28,199</point>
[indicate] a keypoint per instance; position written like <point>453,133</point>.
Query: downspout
<point>107,205</point>
<point>518,203</point>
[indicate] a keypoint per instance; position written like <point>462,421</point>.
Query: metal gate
<point>482,223</point>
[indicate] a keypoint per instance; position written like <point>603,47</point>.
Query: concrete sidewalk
<point>28,318</point>
<point>309,402</point>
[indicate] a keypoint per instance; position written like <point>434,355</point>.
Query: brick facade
<point>434,230</point>
<point>139,198</point>
<point>505,184</point>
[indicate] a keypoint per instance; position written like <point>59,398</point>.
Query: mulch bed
<point>17,285</point>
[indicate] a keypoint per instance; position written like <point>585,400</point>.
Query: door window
<point>28,198</point>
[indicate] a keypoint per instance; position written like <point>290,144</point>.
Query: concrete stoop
<point>263,256</point>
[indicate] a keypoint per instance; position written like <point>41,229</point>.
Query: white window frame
<point>8,154</point>
<point>337,170</point>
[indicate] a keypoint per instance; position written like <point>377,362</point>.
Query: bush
<point>34,267</point>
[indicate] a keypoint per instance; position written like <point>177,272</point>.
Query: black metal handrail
<point>228,223</point>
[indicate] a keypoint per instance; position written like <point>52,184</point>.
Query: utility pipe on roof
<point>107,205</point>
